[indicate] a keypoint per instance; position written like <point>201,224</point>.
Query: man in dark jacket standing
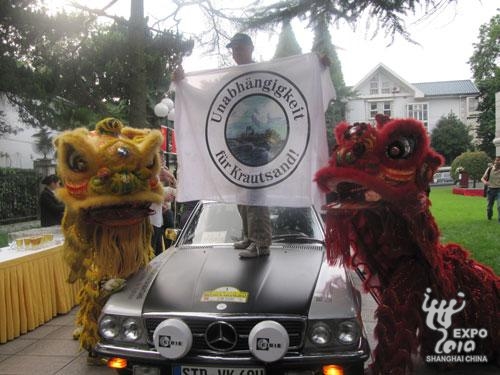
<point>491,179</point>
<point>51,209</point>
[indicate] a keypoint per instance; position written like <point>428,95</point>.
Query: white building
<point>16,150</point>
<point>384,91</point>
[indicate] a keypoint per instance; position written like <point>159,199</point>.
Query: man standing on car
<point>491,179</point>
<point>256,222</point>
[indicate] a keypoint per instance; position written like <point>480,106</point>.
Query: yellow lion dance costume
<point>110,178</point>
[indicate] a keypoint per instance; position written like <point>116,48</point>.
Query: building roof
<point>417,92</point>
<point>461,87</point>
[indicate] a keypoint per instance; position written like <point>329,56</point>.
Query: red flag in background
<point>168,144</point>
<point>173,145</point>
<point>164,134</point>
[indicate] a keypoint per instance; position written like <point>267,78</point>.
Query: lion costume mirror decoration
<point>110,178</point>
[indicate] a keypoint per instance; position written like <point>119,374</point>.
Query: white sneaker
<point>243,244</point>
<point>254,251</point>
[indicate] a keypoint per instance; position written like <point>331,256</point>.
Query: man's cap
<point>240,38</point>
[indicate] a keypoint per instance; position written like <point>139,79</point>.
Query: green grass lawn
<point>463,220</point>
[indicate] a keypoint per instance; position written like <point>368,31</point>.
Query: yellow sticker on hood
<point>225,294</point>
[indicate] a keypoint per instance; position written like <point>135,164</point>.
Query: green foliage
<point>387,15</point>
<point>68,71</point>
<point>287,43</point>
<point>43,142</point>
<point>450,137</point>
<point>486,72</point>
<point>462,220</point>
<point>474,163</point>
<point>28,40</point>
<point>322,44</point>
<point>18,195</point>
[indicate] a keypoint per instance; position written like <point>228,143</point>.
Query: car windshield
<point>220,223</point>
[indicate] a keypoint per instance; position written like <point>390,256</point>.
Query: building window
<point>374,85</point>
<point>419,112</point>
<point>472,105</point>
<point>386,87</point>
<point>380,107</point>
<point>387,109</point>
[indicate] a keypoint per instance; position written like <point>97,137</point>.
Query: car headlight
<point>320,334</point>
<point>348,332</point>
<point>109,327</point>
<point>131,329</point>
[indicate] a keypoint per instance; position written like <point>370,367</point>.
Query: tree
<point>388,14</point>
<point>322,44</point>
<point>450,137</point>
<point>223,15</point>
<point>26,36</point>
<point>66,79</point>
<point>474,163</point>
<point>43,144</point>
<point>485,65</point>
<point>287,43</point>
<point>137,79</point>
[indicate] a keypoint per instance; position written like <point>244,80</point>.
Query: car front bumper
<point>292,360</point>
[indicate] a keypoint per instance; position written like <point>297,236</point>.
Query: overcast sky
<point>445,41</point>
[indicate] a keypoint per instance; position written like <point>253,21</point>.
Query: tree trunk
<point>137,81</point>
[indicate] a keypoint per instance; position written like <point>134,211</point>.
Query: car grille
<point>242,327</point>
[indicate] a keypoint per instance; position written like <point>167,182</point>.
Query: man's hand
<point>178,74</point>
<point>324,60</point>
<point>167,177</point>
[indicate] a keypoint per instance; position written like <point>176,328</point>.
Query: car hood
<point>216,280</point>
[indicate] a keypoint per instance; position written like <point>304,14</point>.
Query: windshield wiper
<point>302,237</point>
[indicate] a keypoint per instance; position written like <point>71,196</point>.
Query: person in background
<point>156,220</point>
<point>51,209</point>
<point>491,179</point>
<point>169,185</point>
<point>157,217</point>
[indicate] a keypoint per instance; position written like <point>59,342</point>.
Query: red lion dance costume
<point>380,221</point>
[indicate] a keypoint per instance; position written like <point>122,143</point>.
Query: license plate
<point>201,370</point>
<point>145,370</point>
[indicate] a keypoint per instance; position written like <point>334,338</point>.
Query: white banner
<point>253,134</point>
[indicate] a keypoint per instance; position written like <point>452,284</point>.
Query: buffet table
<point>33,289</point>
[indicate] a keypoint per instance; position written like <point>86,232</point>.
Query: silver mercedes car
<point>200,309</point>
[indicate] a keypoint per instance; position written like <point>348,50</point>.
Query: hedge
<point>19,195</point>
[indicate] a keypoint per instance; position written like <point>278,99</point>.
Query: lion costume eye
<point>401,148</point>
<point>76,161</point>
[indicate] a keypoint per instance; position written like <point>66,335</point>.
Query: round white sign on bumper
<point>268,341</point>
<point>173,338</point>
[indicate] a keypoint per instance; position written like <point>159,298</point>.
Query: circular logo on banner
<point>257,129</point>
